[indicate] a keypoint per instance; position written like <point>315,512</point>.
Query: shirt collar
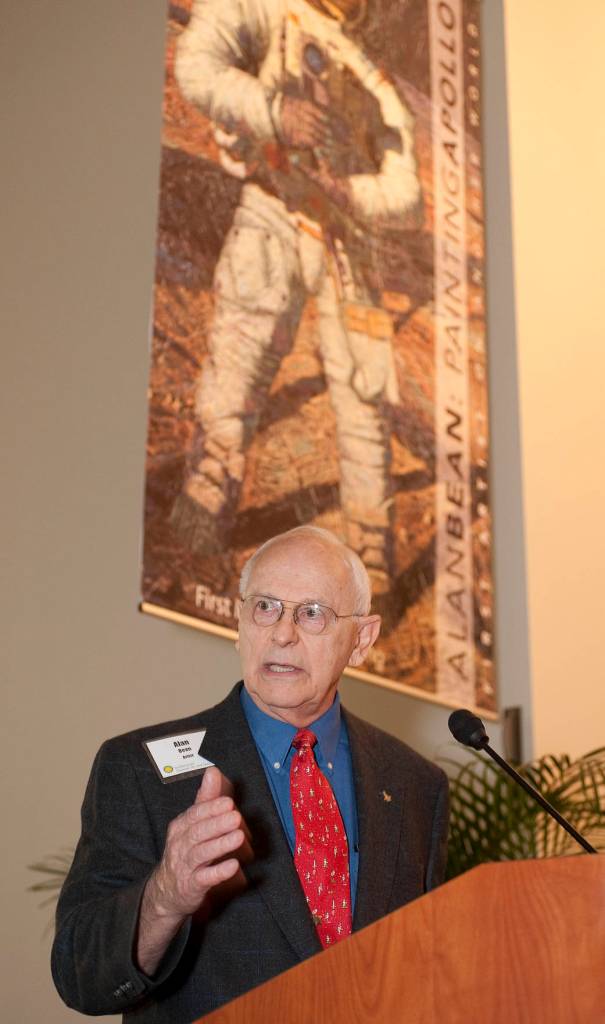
<point>274,737</point>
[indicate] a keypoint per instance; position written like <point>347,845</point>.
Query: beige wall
<point>556,87</point>
<point>82,90</point>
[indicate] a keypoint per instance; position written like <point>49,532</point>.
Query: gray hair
<point>359,577</point>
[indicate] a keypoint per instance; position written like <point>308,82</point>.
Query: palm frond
<point>54,868</point>
<point>493,819</point>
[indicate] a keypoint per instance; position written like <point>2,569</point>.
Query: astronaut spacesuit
<point>300,230</point>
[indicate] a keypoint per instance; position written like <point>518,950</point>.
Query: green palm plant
<point>54,869</point>
<point>493,819</point>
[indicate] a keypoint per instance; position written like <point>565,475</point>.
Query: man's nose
<point>285,630</point>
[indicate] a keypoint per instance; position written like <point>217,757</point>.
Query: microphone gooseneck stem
<point>538,797</point>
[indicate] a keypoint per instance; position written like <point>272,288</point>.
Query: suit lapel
<point>228,744</point>
<point>380,803</point>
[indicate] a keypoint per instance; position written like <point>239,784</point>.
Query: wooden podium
<point>515,943</point>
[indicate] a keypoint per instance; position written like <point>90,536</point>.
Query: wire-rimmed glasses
<point>311,616</point>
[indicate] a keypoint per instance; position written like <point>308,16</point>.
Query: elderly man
<point>310,824</point>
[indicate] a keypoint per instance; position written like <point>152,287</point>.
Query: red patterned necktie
<point>321,852</point>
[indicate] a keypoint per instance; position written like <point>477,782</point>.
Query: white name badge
<point>176,756</point>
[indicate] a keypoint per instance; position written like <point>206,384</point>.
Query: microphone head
<point>467,728</point>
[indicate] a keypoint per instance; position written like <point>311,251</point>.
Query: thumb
<point>210,786</point>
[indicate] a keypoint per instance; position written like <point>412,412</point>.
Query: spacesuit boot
<point>204,513</point>
<point>372,542</point>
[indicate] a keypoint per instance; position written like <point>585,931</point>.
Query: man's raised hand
<point>199,855</point>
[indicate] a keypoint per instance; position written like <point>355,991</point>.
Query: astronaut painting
<point>319,334</point>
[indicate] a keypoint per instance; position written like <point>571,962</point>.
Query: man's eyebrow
<point>304,600</point>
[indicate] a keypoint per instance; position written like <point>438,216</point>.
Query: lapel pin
<point>386,796</point>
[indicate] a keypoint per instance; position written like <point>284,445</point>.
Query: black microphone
<point>467,728</point>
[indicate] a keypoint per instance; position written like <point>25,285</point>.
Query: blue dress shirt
<point>273,740</point>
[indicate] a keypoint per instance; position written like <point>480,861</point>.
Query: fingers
<point>210,786</point>
<point>214,874</point>
<point>211,800</point>
<point>200,844</point>
<point>213,838</point>
<point>226,785</point>
<point>202,811</point>
<point>211,850</point>
<point>216,815</point>
<point>210,828</point>
<point>213,784</point>
<point>206,839</point>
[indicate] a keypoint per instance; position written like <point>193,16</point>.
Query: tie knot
<point>304,738</point>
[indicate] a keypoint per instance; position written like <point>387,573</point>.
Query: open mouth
<point>279,669</point>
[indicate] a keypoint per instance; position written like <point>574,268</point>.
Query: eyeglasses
<point>310,616</point>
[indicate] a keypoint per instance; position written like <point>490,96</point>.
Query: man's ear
<point>367,635</point>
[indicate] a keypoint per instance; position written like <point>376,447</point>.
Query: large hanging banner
<point>319,322</point>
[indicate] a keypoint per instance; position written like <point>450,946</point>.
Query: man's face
<point>290,674</point>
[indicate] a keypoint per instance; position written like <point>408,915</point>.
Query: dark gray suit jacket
<point>402,813</point>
